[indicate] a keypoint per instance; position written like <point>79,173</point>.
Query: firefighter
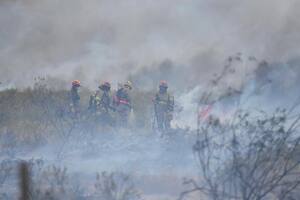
<point>122,103</point>
<point>163,107</point>
<point>101,103</point>
<point>74,97</point>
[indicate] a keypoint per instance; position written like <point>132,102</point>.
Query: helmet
<point>76,83</point>
<point>128,84</point>
<point>105,84</point>
<point>163,84</point>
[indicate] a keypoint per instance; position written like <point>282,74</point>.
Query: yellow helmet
<point>128,84</point>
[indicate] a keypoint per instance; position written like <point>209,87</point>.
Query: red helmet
<point>105,84</point>
<point>76,83</point>
<point>163,83</point>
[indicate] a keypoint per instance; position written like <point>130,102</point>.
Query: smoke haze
<point>115,39</point>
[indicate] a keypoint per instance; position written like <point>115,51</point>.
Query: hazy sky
<point>96,39</point>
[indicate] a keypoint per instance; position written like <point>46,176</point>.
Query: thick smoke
<point>113,40</point>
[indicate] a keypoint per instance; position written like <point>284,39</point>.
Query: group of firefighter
<point>104,103</point>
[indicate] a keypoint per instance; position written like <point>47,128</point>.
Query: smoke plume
<point>114,40</point>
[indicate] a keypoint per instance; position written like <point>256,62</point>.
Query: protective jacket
<point>101,102</point>
<point>122,98</point>
<point>122,103</point>
<point>75,98</point>
<point>164,102</point>
<point>163,108</point>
